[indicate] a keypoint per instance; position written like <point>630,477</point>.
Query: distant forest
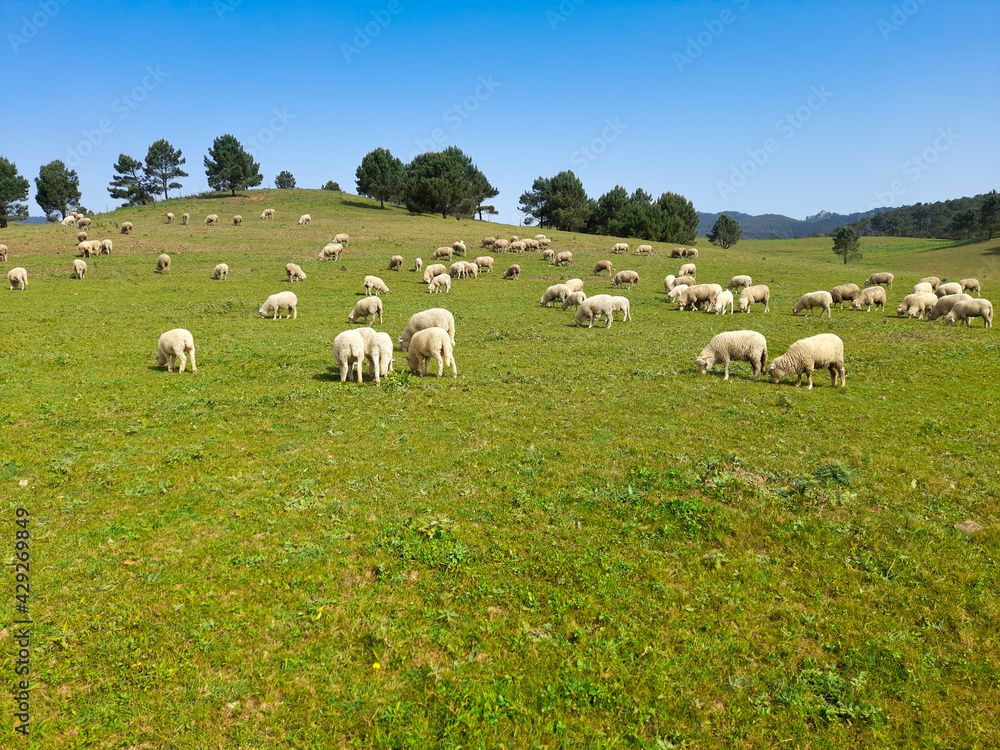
<point>957,219</point>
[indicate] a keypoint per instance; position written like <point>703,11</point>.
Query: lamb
<point>873,295</point>
<point>174,346</point>
<point>305,219</point>
<point>677,252</point>
<point>435,269</point>
<point>944,304</point>
<point>934,281</point>
<point>573,299</point>
<point>163,263</point>
<point>443,252</point>
<point>691,253</point>
<point>106,247</point>
<point>83,222</point>
<point>436,317</point>
<point>294,272</point>
<point>676,291</point>
<point>688,269</point>
<point>564,257</point>
<point>378,352</point>
<point>845,293</point>
<point>620,247</point>
<point>501,244</point>
<point>593,308</point>
<point>952,287</point>
<point>396,263</point>
<point>881,277</point>
<point>342,238</point>
<point>185,218</point>
<point>126,227</point>
<point>756,293</point>
<point>548,255</point>
<point>965,310</point>
<point>805,355</point>
<point>602,265</point>
<point>3,252</point>
<point>553,293</point>
<point>458,270</point>
<point>822,300</point>
<point>970,285</point>
<point>70,219</point>
<point>696,294</point>
<point>485,261</point>
<point>471,269</point>
<point>915,305</point>
<point>81,236</point>
<point>18,277</point>
<point>923,287</point>
<point>441,280</point>
<point>221,272</point>
<point>488,242</point>
<point>458,247</point>
<point>625,277</point>
<point>373,284</point>
<point>734,346</point>
<point>366,309</point>
<point>348,353</point>
<point>427,344</point>
<point>170,218</point>
<point>720,302</point>
<point>79,268</point>
<point>740,281</point>
<point>212,220</point>
<point>575,285</point>
<point>418,264</point>
<point>267,213</point>
<point>644,250</point>
<point>689,280</point>
<point>331,250</point>
<point>512,272</point>
<point>237,220</point>
<point>622,304</point>
<point>278,302</point>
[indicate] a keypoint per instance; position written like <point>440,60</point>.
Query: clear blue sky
<point>760,106</point>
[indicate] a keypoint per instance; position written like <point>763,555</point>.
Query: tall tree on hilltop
<point>229,167</point>
<point>13,192</point>
<point>847,244</point>
<point>379,175</point>
<point>445,182</point>
<point>58,188</point>
<point>129,184</point>
<point>163,164</point>
<point>284,180</point>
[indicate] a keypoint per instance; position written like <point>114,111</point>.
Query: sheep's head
<point>901,311</point>
<point>949,319</point>
<point>775,372</point>
<point>856,304</point>
<point>704,364</point>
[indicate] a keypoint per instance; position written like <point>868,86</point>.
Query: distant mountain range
<point>43,220</point>
<point>766,226</point>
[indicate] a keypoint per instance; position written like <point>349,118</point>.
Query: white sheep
<point>677,252</point>
<point>331,250</point>
<point>349,353</point>
<point>602,265</point>
<point>294,272</point>
<point>734,346</point>
<point>575,285</point>
<point>515,238</point>
<point>625,277</point>
<point>79,268</point>
<point>278,302</point>
<point>305,219</point>
<point>620,248</point>
<point>880,277</point>
<point>540,237</point>
<point>688,269</point>
<point>443,252</point>
<point>691,253</point>
<point>126,227</point>
<point>678,280</point>
<point>89,247</point>
<point>70,219</point>
<point>564,257</point>
<point>458,270</point>
<point>573,299</point>
<point>697,294</point>
<point>3,252</point>
<point>175,346</point>
<point>396,263</point>
<point>211,220</point>
<point>844,293</point>
<point>435,269</point>
<point>676,291</point>
<point>170,218</point>
<point>374,285</point>
<point>221,272</point>
<point>531,244</point>
<point>967,309</point>
<point>185,218</point>
<point>934,281</point>
<point>721,300</point>
<point>81,236</point>
<point>431,343</point>
<point>872,295</point>
<point>267,213</point>
<point>923,287</point>
<point>106,247</point>
<point>544,243</point>
<point>755,293</point>
<point>915,305</point>
<point>458,247</point>
<point>366,308</point>
<point>485,261</point>
<point>163,263</point>
<point>75,215</point>
<point>644,250</point>
<point>668,282</point>
<point>970,285</point>
<point>548,255</point>
<point>471,269</point>
<point>441,280</point>
<point>488,242</point>
<point>342,238</point>
<point>418,264</point>
<point>512,272</point>
<point>553,293</point>
<point>811,300</point>
<point>501,244</point>
<point>952,287</point>
<point>739,281</point>
<point>944,304</point>
<point>83,222</point>
<point>622,305</point>
<point>805,355</point>
<point>237,220</point>
<point>18,277</point>
<point>593,308</point>
<point>436,317</point>
<point>378,352</point>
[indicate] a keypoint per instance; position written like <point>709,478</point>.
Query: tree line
<point>958,219</point>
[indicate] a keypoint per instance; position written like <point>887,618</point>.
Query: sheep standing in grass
<point>3,253</point>
<point>548,255</point>
<point>488,242</point>
<point>934,281</point>
<point>501,245</point>
<point>805,355</point>
<point>342,238</point>
<point>349,353</point>
<point>873,295</point>
<point>375,285</point>
<point>922,287</point>
<point>471,269</point>
<point>439,281</point>
<point>697,294</point>
<point>295,272</point>
<point>170,218</point>
<point>512,272</point>
<point>734,346</point>
<point>970,285</point>
<point>18,277</point>
<point>458,247</point>
<point>435,269</point>
<point>691,253</point>
<point>593,308</point>
<point>485,261</point>
<point>812,300</point>
<point>720,302</point>
<point>163,263</point>
<point>418,264</point>
<point>237,220</point>
<point>668,282</point>
<point>89,247</point>
<point>602,265</point>
<point>278,302</point>
<point>431,343</point>
<point>644,250</point>
<point>880,277</point>
<point>574,285</point>
<point>573,299</point>
<point>378,352</point>
<point>553,293</point>
<point>845,293</point>
<point>221,272</point>
<point>443,252</point>
<point>366,309</point>
<point>79,268</point>
<point>675,291</point>
<point>436,317</point>
<point>305,220</point>
<point>689,280</point>
<point>620,248</point>
<point>544,243</point>
<point>688,269</point>
<point>81,236</point>
<point>83,222</point>
<point>106,247</point>
<point>185,218</point>
<point>952,287</point>
<point>211,220</point>
<point>330,251</point>
<point>677,252</point>
<point>740,281</point>
<point>176,346</point>
<point>915,305</point>
<point>625,277</point>
<point>564,257</point>
<point>756,293</point>
<point>70,219</point>
<point>622,305</point>
<point>458,270</point>
<point>396,263</point>
<point>267,213</point>
<point>944,304</point>
<point>126,227</point>
<point>965,310</point>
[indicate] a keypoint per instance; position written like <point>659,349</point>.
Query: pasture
<point>579,542</point>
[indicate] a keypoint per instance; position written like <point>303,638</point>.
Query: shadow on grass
<point>360,204</point>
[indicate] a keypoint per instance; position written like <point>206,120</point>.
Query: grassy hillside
<point>578,542</point>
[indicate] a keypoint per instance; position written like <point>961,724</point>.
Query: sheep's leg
<point>726,375</point>
<point>182,359</point>
<point>454,367</point>
<point>170,363</point>
<point>361,377</point>
<point>194,368</point>
<point>440,361</point>
<point>809,372</point>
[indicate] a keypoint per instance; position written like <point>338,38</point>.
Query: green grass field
<point>579,542</point>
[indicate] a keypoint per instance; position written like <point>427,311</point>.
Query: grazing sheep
<point>441,280</point>
<point>625,277</point>
<point>79,269</point>
<point>106,247</point>
<point>237,220</point>
<point>564,257</point>
<point>922,287</point>
<point>89,247</point>
<point>518,246</point>
<point>185,218</point>
<point>740,281</point>
<point>267,213</point>
<point>485,261</point>
<point>435,269</point>
<point>531,244</point>
<point>488,242</point>
<point>396,263</point>
<point>970,285</point>
<point>126,227</point>
<point>501,244</point>
<point>880,277</point>
<point>458,247</point>
<point>944,304</point>
<point>349,353</point>
<point>544,243</point>
<point>515,238</point>
<point>175,346</point>
<point>677,252</point>
<point>18,277</point>
<point>221,272</point>
<point>668,282</point>
<point>575,285</point>
<point>375,285</point>
<point>602,265</point>
<point>3,252</point>
<point>967,309</point>
<point>81,236</point>
<point>342,238</point>
<point>805,355</point>
<point>305,219</point>
<point>436,317</point>
<point>593,308</point>
<point>431,343</point>
<point>471,269</point>
<point>418,264</point>
<point>170,218</point>
<point>378,352</point>
<point>212,220</point>
<point>822,300</point>
<point>952,287</point>
<point>622,304</point>
<point>553,293</point>
<point>676,291</point>
<point>512,272</point>
<point>689,280</point>
<point>163,263</point>
<point>934,281</point>
<point>845,293</point>
<point>915,305</point>
<point>573,299</point>
<point>688,269</point>
<point>734,346</point>
<point>295,272</point>
<point>756,293</point>
<point>540,237</point>
<point>443,252</point>
<point>70,219</point>
<point>548,255</point>
<point>278,302</point>
<point>620,248</point>
<point>331,250</point>
<point>691,253</point>
<point>366,309</point>
<point>458,270</point>
<point>873,295</point>
<point>83,222</point>
<point>697,294</point>
<point>644,250</point>
<point>75,215</point>
<point>720,302</point>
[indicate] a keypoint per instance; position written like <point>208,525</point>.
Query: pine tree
<point>163,164</point>
<point>230,166</point>
<point>13,192</point>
